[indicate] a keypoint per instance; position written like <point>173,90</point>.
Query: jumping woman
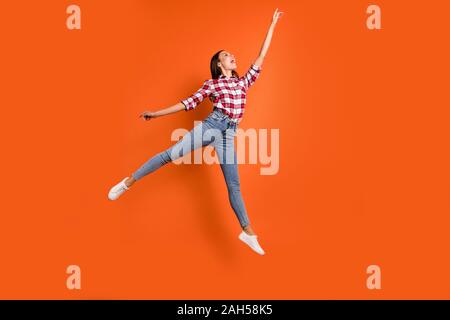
<point>227,90</point>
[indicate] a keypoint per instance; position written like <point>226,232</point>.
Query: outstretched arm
<point>186,104</point>
<point>262,54</point>
<point>147,115</point>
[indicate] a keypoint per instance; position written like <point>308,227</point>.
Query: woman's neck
<point>227,73</point>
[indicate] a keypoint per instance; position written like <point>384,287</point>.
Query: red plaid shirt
<point>227,94</point>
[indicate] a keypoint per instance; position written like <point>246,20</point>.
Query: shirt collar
<point>224,77</point>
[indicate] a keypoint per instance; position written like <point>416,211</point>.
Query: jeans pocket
<point>234,129</point>
<point>218,116</point>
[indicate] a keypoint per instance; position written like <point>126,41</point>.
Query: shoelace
<point>121,187</point>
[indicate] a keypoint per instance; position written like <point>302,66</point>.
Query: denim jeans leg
<point>189,142</point>
<point>228,163</point>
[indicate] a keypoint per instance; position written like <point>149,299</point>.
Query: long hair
<point>215,69</point>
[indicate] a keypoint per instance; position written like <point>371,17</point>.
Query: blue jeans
<point>217,129</point>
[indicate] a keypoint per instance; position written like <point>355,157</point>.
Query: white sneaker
<point>252,242</point>
<point>118,190</point>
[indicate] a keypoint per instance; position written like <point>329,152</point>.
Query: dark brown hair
<point>215,69</point>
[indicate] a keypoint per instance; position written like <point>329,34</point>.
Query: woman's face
<point>227,60</point>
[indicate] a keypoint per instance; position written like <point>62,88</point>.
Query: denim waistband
<point>232,123</point>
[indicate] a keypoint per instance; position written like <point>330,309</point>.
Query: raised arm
<point>265,47</point>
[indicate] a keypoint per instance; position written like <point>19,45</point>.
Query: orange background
<point>364,162</point>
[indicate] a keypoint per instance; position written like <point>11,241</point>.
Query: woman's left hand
<point>276,16</point>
